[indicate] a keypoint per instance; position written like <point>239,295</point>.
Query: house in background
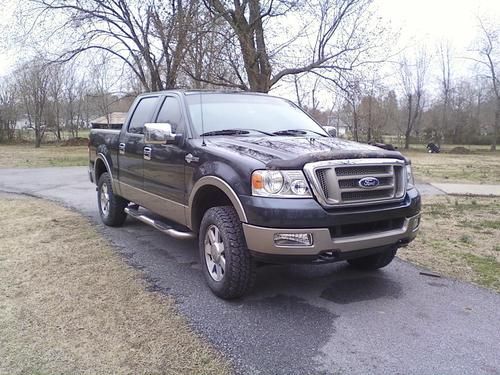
<point>113,120</point>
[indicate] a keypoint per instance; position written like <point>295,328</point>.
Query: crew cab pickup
<point>255,180</point>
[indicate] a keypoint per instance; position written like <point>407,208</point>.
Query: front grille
<point>343,182</point>
<point>357,229</point>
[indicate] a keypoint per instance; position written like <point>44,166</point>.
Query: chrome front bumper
<point>261,239</point>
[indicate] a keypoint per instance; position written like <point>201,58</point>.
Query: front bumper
<point>260,240</point>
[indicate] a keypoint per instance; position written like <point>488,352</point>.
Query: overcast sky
<point>419,21</point>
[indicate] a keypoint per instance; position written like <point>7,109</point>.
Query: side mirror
<point>332,131</point>
<point>158,133</point>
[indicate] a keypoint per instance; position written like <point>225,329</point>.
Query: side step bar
<point>162,227</point>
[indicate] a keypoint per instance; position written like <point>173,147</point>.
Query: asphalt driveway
<point>304,319</point>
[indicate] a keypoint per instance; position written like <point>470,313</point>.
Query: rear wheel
<point>375,261</point>
<point>111,206</point>
<point>227,264</point>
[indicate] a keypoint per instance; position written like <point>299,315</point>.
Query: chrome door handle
<point>147,153</point>
<point>190,158</point>
<point>121,148</point>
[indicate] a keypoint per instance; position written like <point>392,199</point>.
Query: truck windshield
<point>264,114</point>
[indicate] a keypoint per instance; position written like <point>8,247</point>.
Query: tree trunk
<point>355,124</point>
<point>496,128</point>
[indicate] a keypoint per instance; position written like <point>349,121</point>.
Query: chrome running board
<point>162,227</point>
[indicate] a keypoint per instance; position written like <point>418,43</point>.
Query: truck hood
<point>293,152</point>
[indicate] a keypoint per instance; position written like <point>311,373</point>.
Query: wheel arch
<point>208,192</point>
<point>101,165</point>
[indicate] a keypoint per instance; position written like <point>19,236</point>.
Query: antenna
<point>202,123</point>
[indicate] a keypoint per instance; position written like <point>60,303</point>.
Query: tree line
<point>332,57</point>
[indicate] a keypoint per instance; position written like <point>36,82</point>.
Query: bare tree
<point>8,109</point>
<point>341,39</point>
<point>33,80</point>
<point>413,79</point>
<point>149,37</point>
<point>488,58</point>
<point>56,73</point>
<point>445,62</point>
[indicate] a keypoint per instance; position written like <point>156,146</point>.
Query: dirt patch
<point>68,304</point>
<point>460,150</point>
<point>459,237</point>
<point>77,141</point>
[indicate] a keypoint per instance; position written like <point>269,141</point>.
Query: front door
<point>164,173</point>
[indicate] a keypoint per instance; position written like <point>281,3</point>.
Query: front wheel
<point>375,261</point>
<point>111,206</point>
<point>227,264</point>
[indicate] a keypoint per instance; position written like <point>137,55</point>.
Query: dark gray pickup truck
<point>256,180</point>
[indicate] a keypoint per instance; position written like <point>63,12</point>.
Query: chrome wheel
<point>214,253</point>
<point>104,197</point>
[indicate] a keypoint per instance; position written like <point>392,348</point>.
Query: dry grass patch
<point>68,303</point>
<point>459,237</point>
<point>479,167</point>
<point>27,156</point>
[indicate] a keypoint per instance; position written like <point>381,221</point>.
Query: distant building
<point>113,120</point>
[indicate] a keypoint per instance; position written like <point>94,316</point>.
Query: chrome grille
<point>338,182</point>
<point>363,170</point>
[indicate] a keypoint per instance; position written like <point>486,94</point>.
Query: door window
<point>171,113</point>
<point>142,114</point>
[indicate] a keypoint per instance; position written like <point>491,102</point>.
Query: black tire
<point>113,214</point>
<point>375,261</point>
<point>238,275</point>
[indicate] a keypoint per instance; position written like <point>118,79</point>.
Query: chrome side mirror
<point>158,133</point>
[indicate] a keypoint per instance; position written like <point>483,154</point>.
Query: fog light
<point>416,224</point>
<point>293,239</point>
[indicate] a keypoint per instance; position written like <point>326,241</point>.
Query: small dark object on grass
<point>433,148</point>
<point>430,274</point>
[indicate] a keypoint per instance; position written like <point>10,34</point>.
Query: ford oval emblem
<point>368,182</point>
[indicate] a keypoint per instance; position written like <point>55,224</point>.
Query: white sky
<point>432,21</point>
<point>419,21</point>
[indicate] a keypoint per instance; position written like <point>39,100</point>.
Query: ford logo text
<point>368,182</point>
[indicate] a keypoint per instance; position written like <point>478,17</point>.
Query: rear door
<point>131,146</point>
<point>164,173</point>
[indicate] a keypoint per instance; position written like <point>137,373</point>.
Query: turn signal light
<point>257,181</point>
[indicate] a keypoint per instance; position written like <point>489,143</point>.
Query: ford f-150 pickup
<point>256,180</point>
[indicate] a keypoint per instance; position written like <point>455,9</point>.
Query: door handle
<point>147,153</point>
<point>121,148</point>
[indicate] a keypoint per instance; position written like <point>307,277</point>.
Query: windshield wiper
<point>257,131</point>
<point>296,132</point>
<point>225,132</point>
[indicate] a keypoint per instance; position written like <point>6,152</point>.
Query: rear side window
<point>171,113</point>
<point>142,114</point>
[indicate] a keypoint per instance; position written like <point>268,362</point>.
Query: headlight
<point>410,182</point>
<point>280,184</point>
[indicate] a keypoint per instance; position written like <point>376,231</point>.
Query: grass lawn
<point>460,238</point>
<point>480,167</point>
<point>27,156</point>
<point>70,305</point>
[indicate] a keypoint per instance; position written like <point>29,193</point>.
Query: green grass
<point>486,270</point>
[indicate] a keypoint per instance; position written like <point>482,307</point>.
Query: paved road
<point>304,319</point>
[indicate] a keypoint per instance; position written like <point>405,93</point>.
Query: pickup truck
<point>255,180</point>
